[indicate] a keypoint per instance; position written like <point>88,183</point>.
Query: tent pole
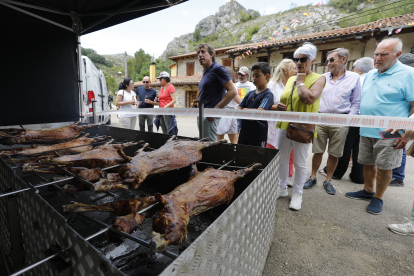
<point>35,7</point>
<point>35,15</point>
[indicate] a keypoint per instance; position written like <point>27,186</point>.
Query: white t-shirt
<point>277,89</point>
<point>126,98</point>
<point>244,88</point>
<point>232,104</point>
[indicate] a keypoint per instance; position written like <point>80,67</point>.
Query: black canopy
<point>40,40</point>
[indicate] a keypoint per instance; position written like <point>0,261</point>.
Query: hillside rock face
<point>228,24</point>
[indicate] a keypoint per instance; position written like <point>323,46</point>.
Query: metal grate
<point>238,242</point>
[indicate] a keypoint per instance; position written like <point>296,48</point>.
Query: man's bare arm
<point>231,93</point>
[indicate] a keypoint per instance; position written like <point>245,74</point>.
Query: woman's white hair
<point>366,64</point>
<point>307,49</point>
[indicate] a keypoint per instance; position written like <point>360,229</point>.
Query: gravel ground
<point>333,234</point>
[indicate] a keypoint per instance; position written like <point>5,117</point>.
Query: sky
<point>153,32</point>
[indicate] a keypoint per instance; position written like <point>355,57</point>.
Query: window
<point>263,59</point>
<point>324,53</point>
<point>227,62</point>
<point>288,55</point>
<point>190,68</point>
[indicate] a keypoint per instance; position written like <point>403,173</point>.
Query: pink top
<point>165,97</point>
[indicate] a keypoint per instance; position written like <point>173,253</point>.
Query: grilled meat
<point>100,157</point>
<point>54,135</point>
<point>34,149</point>
<point>128,219</point>
<point>205,190</point>
<point>173,155</point>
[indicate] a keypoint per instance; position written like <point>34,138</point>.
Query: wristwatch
<point>300,85</point>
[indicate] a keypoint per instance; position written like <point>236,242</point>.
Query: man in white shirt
<point>243,86</point>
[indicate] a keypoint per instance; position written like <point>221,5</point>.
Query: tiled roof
<point>221,49</point>
<point>172,65</point>
<point>178,80</point>
<point>380,24</point>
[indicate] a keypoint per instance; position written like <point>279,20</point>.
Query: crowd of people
<point>378,86</point>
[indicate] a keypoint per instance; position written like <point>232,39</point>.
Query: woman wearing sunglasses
<point>126,100</point>
<point>306,89</point>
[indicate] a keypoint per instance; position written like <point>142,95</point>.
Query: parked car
<point>94,88</point>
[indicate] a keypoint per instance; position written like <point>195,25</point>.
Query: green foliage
<point>245,17</point>
<point>96,58</point>
<point>197,34</point>
<point>111,84</point>
<point>252,31</point>
<point>136,64</point>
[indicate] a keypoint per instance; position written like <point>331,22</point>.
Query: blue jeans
<point>399,173</point>
<point>239,121</point>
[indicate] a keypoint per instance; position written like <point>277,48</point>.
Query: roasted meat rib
<point>128,219</point>
<point>54,135</point>
<point>205,190</point>
<point>175,154</point>
<point>100,157</point>
<point>34,149</point>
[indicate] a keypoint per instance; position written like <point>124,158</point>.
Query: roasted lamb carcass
<point>102,156</point>
<point>128,219</point>
<point>175,154</point>
<point>205,190</point>
<point>74,147</point>
<point>54,135</point>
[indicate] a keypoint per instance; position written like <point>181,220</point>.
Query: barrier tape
<point>280,116</point>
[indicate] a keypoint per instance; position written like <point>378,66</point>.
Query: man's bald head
<point>147,82</point>
<point>387,53</point>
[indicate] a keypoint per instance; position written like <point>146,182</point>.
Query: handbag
<point>299,132</point>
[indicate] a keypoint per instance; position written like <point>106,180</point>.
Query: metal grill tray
<point>236,243</point>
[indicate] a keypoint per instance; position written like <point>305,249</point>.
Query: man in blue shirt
<point>254,132</point>
<point>387,91</point>
<point>146,95</point>
<point>212,87</point>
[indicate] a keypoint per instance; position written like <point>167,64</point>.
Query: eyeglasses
<point>302,59</point>
<point>145,81</point>
<point>331,60</point>
<point>240,74</point>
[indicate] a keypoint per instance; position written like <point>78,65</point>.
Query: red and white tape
<point>282,116</point>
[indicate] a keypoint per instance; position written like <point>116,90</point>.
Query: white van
<point>94,87</point>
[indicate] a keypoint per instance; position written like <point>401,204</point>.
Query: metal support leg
<point>201,117</point>
<point>93,111</point>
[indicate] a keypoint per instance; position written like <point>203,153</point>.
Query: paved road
<point>334,235</point>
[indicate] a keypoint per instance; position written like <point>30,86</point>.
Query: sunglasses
<point>331,60</point>
<point>145,81</point>
<point>302,59</point>
<point>240,74</point>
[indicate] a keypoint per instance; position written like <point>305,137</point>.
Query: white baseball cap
<point>244,70</point>
<point>164,74</point>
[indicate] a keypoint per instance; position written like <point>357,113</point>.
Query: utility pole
<point>125,61</point>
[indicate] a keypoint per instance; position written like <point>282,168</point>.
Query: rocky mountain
<point>234,24</point>
<point>118,59</point>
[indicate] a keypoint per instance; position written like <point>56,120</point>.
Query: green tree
<point>135,64</point>
<point>197,35</point>
<point>87,51</point>
<point>111,84</point>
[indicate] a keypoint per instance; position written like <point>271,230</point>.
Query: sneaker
<point>396,183</point>
<point>322,172</point>
<point>360,195</point>
<point>402,229</point>
<point>296,202</point>
<point>281,192</point>
<point>329,188</point>
<point>375,206</point>
<point>309,183</point>
<point>290,181</point>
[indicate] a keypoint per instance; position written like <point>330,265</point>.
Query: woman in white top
<point>229,125</point>
<point>285,70</point>
<point>126,100</point>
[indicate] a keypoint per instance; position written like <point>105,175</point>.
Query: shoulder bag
<point>299,132</point>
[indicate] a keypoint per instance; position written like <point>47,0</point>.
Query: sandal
<point>322,172</point>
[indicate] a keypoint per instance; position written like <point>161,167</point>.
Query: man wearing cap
<point>387,91</point>
<point>243,86</point>
<point>213,86</point>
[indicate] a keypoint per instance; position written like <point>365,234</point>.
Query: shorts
<point>233,129</point>
<point>379,152</point>
<point>337,137</point>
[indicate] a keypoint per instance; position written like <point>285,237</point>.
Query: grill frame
<point>241,258</point>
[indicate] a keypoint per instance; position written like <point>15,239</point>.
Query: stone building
<point>360,40</point>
